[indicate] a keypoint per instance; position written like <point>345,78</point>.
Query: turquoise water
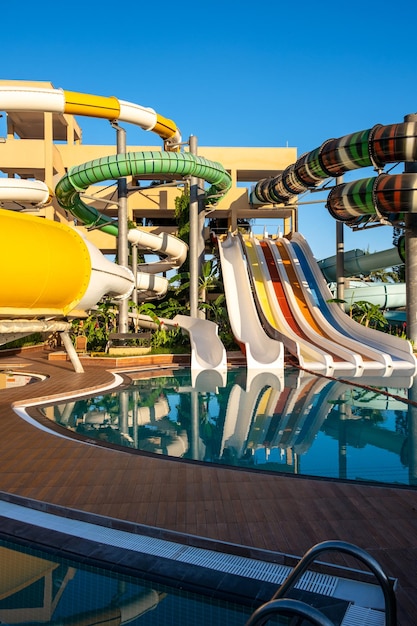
<point>36,587</point>
<point>297,423</point>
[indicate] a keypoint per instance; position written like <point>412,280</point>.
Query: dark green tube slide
<point>360,201</point>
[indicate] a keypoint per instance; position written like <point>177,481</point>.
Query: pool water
<point>37,587</point>
<point>363,429</point>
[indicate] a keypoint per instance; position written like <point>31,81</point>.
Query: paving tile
<point>283,513</point>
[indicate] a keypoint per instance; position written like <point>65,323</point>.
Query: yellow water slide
<point>52,271</point>
<point>22,98</point>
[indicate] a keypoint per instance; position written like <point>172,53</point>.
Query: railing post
<point>358,553</point>
<point>288,606</point>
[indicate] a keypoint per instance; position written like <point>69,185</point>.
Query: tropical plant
<point>97,326</point>
<point>216,311</point>
<point>144,308</point>
<point>208,280</point>
<point>368,314</point>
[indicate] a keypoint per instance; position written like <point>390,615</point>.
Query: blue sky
<point>266,73</point>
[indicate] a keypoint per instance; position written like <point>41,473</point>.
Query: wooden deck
<point>273,512</point>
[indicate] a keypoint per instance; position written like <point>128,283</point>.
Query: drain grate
<point>239,566</point>
<point>322,584</point>
<point>360,616</point>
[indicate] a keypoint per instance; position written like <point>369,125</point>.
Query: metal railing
<point>276,604</point>
<point>287,606</point>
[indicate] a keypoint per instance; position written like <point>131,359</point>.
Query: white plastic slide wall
<point>398,351</point>
<point>262,352</point>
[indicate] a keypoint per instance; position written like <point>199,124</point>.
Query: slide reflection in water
<point>301,424</point>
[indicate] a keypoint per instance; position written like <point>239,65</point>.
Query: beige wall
<point>44,145</point>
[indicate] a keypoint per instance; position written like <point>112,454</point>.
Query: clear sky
<point>265,73</point>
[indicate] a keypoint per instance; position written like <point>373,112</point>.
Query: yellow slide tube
<point>48,266</point>
<point>90,105</point>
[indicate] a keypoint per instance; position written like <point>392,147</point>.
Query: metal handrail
<point>361,555</point>
<point>288,606</point>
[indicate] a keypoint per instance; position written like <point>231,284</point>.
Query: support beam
<point>340,258</point>
<point>122,243</point>
<point>411,259</point>
<point>73,356</point>
<point>194,228</point>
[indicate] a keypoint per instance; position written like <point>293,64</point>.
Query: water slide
<point>269,279</point>
<point>383,198</point>
<point>20,98</point>
<point>207,351</point>
<point>279,321</point>
<point>388,347</point>
<point>357,262</point>
<point>384,295</point>
<point>51,273</point>
<point>346,346</point>
<point>262,352</point>
<point>18,191</point>
<point>348,354</point>
<point>79,178</point>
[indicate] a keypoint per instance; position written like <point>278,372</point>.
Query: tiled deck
<point>282,513</point>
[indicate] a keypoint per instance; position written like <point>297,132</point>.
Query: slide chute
<point>21,98</point>
<point>288,290</point>
<point>61,274</point>
<point>384,196</point>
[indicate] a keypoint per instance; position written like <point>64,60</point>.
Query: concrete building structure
<point>42,145</point>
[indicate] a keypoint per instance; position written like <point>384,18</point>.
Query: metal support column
<point>122,243</point>
<point>73,356</point>
<point>411,259</point>
<point>194,236</point>
<point>340,257</point>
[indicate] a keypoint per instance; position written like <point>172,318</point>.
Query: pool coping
<point>229,572</point>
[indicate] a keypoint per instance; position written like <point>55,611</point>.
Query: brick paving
<point>274,512</point>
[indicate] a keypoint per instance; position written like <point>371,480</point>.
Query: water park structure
<point>56,269</point>
<point>60,222</point>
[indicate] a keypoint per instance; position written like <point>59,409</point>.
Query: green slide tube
<point>80,177</point>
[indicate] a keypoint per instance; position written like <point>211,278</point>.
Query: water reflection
<point>297,423</point>
<point>36,588</point>
<point>33,589</point>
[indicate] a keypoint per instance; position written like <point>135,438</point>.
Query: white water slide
<point>261,351</point>
<point>382,354</point>
<point>353,349</point>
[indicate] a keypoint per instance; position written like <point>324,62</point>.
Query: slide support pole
<point>193,235</point>
<point>411,258</point>
<point>122,243</point>
<point>340,257</point>
<point>73,356</point>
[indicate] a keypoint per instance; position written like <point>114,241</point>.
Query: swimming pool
<point>60,566</point>
<point>299,423</point>
<point>39,587</point>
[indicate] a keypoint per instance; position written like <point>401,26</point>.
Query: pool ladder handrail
<point>275,605</point>
<point>288,606</point>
